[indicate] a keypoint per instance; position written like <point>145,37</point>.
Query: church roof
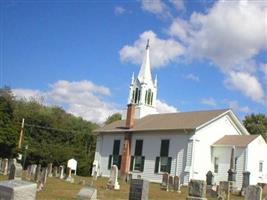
<point>235,140</point>
<point>167,121</point>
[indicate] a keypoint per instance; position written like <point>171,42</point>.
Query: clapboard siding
<point>224,155</point>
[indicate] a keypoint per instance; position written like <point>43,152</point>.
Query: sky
<point>80,55</point>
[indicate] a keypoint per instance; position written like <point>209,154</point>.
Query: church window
<point>139,95</point>
<point>151,98</point>
<point>133,95</point>
<point>163,162</point>
<point>136,95</point>
<point>216,165</point>
<point>137,161</point>
<point>146,98</point>
<point>115,158</point>
<point>235,167</point>
<point>260,166</point>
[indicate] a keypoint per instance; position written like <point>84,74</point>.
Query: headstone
<point>113,179</point>
<point>0,164</point>
<point>165,181</point>
<point>11,161</point>
<point>68,175</point>
<point>15,171</point>
<point>17,190</point>
<point>49,168</point>
<point>44,175</point>
<point>253,192</point>
<point>139,189</point>
<point>72,163</point>
<point>224,190</point>
<point>87,193</point>
<point>33,171</point>
<point>37,175</point>
<point>55,171</point>
<point>196,190</point>
<point>5,166</point>
<point>177,184</point>
<point>28,172</point>
<point>245,182</point>
<point>171,184</point>
<point>129,177</point>
<point>61,171</point>
<point>210,178</point>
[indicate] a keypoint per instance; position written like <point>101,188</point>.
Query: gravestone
<point>253,192</point>
<point>113,178</point>
<point>33,171</point>
<point>171,184</point>
<point>87,193</point>
<point>44,175</point>
<point>196,190</point>
<point>72,164</point>
<point>245,182</point>
<point>139,189</point>
<point>61,171</point>
<point>210,178</point>
<point>28,172</point>
<point>129,177</point>
<point>37,175</point>
<point>49,168</point>
<point>0,164</point>
<point>17,190</point>
<point>224,190</point>
<point>11,161</point>
<point>55,171</point>
<point>15,171</point>
<point>5,166</point>
<point>165,181</point>
<point>68,175</point>
<point>177,184</point>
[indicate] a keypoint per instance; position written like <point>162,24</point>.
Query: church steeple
<point>143,90</point>
<point>144,75</point>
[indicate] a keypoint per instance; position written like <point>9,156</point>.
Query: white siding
<point>151,149</point>
<point>204,138</point>
<point>106,150</point>
<point>224,155</point>
<point>257,151</point>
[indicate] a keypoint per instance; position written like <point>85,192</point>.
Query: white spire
<point>144,75</point>
<point>132,82</point>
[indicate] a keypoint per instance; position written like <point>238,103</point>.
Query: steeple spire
<point>144,75</point>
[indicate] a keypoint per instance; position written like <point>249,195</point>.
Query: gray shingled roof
<point>235,140</point>
<point>168,121</point>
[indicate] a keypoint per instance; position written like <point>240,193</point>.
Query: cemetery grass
<point>56,189</point>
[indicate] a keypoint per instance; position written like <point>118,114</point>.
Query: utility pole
<point>21,134</point>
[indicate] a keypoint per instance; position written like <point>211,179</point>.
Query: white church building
<point>186,144</point>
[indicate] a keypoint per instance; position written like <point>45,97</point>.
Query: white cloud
<point>235,106</point>
<point>119,10</point>
<point>264,70</point>
<point>81,98</point>
<point>154,6</point>
<point>179,4</point>
<point>191,77</point>
<point>28,94</point>
<point>163,107</point>
<point>209,101</point>
<point>247,84</point>
<point>162,51</point>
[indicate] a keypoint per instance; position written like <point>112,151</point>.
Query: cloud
<point>179,4</point>
<point>81,98</point>
<point>235,106</point>
<point>264,70</point>
<point>155,6</point>
<point>191,77</point>
<point>163,107</point>
<point>209,101</point>
<point>247,84</point>
<point>28,94</point>
<point>119,10</point>
<point>162,51</point>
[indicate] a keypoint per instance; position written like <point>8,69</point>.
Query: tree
<point>256,124</point>
<point>113,118</point>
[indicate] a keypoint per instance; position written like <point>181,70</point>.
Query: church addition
<point>185,144</point>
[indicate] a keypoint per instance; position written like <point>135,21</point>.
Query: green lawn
<point>59,189</point>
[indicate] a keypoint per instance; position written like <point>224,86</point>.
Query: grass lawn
<point>60,190</point>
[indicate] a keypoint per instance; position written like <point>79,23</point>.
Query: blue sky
<point>81,54</point>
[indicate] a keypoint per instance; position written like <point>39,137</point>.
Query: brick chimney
<point>130,116</point>
<point>126,156</point>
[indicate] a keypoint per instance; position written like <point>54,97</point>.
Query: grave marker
<point>139,189</point>
<point>15,171</point>
<point>165,181</point>
<point>224,190</point>
<point>196,190</point>
<point>113,179</point>
<point>50,166</point>
<point>253,192</point>
<point>177,184</point>
<point>87,193</point>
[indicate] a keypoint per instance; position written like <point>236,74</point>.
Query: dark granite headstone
<point>139,189</point>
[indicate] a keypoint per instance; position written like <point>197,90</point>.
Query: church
<point>185,144</point>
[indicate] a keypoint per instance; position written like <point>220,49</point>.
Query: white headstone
<point>113,179</point>
<point>72,164</point>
